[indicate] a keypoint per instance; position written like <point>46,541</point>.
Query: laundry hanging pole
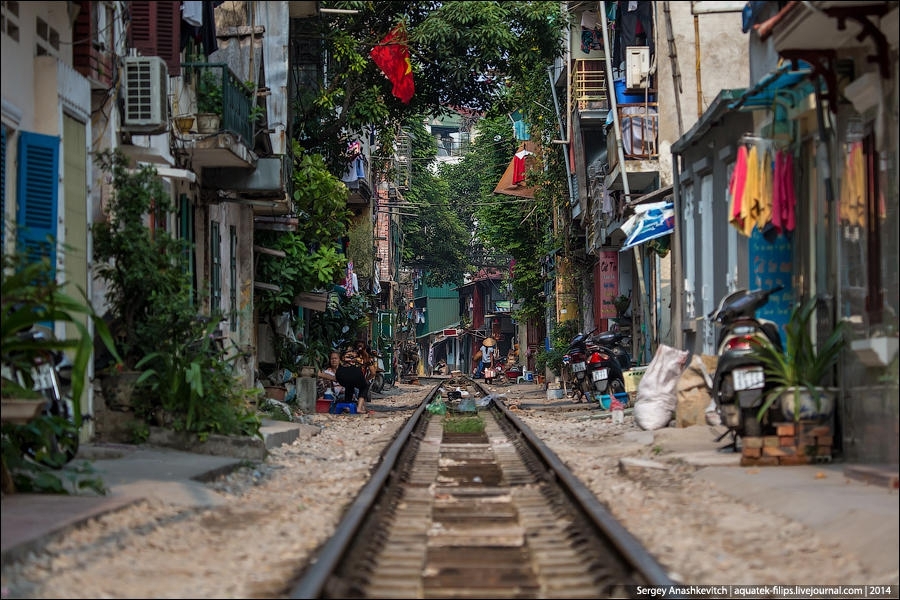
<point>614,106</point>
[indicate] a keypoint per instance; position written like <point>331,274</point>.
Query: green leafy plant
<point>29,475</point>
<point>209,92</point>
<point>195,387</point>
<point>803,366</point>
<point>560,337</point>
<point>463,424</point>
<point>30,296</point>
<point>187,376</point>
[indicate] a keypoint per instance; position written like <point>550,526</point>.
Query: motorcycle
<point>576,365</point>
<point>607,360</point>
<point>376,375</point>
<point>49,375</point>
<point>739,383</point>
<point>618,344</point>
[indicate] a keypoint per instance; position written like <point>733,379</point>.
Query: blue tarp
<point>655,221</point>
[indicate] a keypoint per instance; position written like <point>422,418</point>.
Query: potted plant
<point>209,101</point>
<point>799,373</point>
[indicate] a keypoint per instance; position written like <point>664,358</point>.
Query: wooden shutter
<point>155,30</point>
<point>89,56</point>
<point>38,190</point>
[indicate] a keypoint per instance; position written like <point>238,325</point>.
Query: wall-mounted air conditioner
<point>637,67</point>
<point>145,91</point>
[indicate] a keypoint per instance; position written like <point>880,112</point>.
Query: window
<point>47,39</point>
<point>37,194</point>
<point>868,286</point>
<point>9,20</point>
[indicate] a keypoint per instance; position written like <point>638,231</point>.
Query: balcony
<point>589,90</point>
<point>640,132</point>
<point>206,91</point>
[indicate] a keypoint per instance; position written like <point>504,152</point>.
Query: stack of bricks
<point>799,443</point>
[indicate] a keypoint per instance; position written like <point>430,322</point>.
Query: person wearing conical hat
<point>488,352</point>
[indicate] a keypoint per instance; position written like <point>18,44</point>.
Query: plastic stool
<point>339,407</point>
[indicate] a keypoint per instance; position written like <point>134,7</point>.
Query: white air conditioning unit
<point>145,90</point>
<point>637,67</point>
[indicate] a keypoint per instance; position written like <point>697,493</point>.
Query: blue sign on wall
<point>771,263</point>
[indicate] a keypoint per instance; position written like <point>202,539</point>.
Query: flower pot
<point>118,389</point>
<point>184,123</point>
<point>21,411</point>
<point>276,392</point>
<point>810,406</point>
<point>208,123</point>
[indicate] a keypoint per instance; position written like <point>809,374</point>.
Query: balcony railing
<point>589,90</point>
<point>215,88</point>
<point>640,130</point>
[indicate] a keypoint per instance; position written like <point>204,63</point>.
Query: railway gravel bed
<point>279,512</point>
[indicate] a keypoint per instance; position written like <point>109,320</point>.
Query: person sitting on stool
<point>350,375</point>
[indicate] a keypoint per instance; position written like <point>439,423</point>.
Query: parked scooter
<point>575,363</point>
<point>739,384</point>
<point>51,376</point>
<point>606,361</point>
<point>618,344</point>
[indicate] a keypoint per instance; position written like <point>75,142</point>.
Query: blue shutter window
<point>38,191</point>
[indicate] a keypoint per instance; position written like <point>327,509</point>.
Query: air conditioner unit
<point>145,89</point>
<point>637,67</point>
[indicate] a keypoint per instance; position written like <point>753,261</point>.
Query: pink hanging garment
<point>778,200</point>
<point>736,187</point>
<point>789,198</point>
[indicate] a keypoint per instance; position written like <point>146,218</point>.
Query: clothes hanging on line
<point>783,197</point>
<point>761,190</point>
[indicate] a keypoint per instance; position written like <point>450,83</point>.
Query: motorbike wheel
<point>378,383</point>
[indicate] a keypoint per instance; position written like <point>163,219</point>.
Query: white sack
<point>656,396</point>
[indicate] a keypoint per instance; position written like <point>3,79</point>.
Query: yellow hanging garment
<point>750,205</point>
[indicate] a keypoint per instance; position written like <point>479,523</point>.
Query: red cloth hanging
<point>392,57</point>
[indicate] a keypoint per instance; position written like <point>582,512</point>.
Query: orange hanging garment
<point>752,193</point>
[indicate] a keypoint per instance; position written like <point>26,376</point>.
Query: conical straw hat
<point>490,342</point>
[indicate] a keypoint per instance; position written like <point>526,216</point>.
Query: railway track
<point>489,512</point>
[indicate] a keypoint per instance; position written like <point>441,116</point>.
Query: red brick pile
<point>793,444</point>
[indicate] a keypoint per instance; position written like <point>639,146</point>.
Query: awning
<point>783,81</point>
<point>506,186</point>
<point>649,222</point>
<point>317,301</point>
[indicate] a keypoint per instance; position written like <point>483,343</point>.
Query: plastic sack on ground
<point>656,397</point>
<point>485,401</point>
<point>437,407</point>
<point>694,391</point>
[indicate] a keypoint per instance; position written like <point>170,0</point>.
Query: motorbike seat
<point>608,338</point>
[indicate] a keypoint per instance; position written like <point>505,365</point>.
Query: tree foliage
<point>312,253</point>
<point>461,54</point>
<point>435,239</point>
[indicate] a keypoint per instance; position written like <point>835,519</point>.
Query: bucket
<point>606,399</point>
<point>623,97</point>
